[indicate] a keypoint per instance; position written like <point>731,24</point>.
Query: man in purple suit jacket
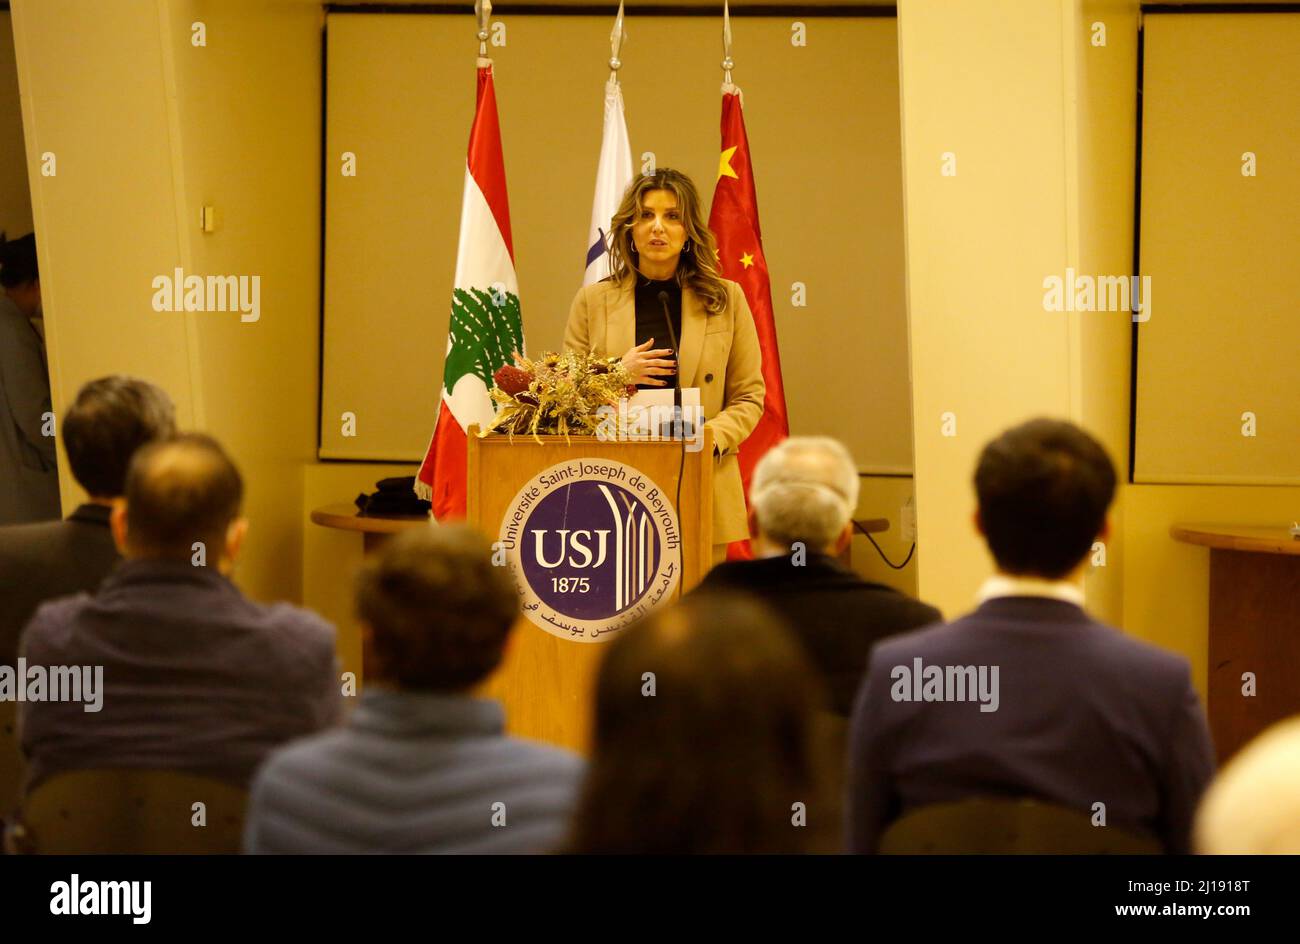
<point>1028,696</point>
<point>191,675</point>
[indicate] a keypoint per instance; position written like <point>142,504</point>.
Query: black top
<point>834,613</point>
<point>650,316</point>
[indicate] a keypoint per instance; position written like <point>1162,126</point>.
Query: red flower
<point>512,380</point>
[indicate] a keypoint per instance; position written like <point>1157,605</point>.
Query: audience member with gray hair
<point>804,491</point>
<point>802,499</point>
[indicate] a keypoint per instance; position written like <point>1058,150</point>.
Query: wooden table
<point>1254,627</point>
<point>375,529</point>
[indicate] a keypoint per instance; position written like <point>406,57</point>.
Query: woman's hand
<point>645,365</point>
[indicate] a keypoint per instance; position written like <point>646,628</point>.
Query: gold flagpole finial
<point>617,36</point>
<point>483,10</point>
<point>727,62</point>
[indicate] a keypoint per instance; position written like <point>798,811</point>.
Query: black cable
<point>677,506</point>
<point>897,567</point>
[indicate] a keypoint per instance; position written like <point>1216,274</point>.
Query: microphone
<point>687,428</point>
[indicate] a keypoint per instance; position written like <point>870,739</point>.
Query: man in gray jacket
<point>29,479</point>
<point>422,765</point>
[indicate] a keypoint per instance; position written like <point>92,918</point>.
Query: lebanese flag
<point>733,220</point>
<point>486,326</point>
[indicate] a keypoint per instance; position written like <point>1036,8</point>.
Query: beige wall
<point>1099,204</point>
<point>1166,584</point>
<point>1017,108</point>
<point>106,223</point>
<point>978,248</point>
<point>15,198</point>
<point>249,107</point>
<point>1219,248</point>
<point>147,128</point>
<point>824,131</point>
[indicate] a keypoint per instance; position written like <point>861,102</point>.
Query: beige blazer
<point>718,353</point>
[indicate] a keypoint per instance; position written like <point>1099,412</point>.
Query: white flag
<point>613,174</point>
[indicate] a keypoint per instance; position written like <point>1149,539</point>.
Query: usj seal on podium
<point>593,544</point>
<point>596,533</point>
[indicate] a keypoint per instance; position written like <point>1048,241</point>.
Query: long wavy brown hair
<point>697,268</point>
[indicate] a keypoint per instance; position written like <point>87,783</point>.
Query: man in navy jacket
<point>1028,696</point>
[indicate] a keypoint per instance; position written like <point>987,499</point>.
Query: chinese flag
<point>734,222</point>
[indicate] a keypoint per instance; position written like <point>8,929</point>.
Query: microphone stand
<point>678,421</point>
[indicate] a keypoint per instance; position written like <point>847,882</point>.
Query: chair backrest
<point>130,811</point>
<point>999,826</point>
<point>11,759</point>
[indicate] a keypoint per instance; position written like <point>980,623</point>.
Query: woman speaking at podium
<point>662,255</point>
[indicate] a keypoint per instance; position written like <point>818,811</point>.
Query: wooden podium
<point>531,496</point>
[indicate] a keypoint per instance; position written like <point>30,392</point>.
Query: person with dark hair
<point>664,271</point>
<point>1028,696</point>
<point>707,739</point>
<point>422,765</point>
<point>110,419</point>
<point>29,478</point>
<point>196,677</point>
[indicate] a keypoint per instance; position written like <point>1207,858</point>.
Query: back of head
<point>111,418</point>
<point>1043,489</point>
<point>804,489</point>
<point>438,610</point>
<point>181,492</point>
<point>18,261</point>
<point>1253,806</point>
<point>705,738</point>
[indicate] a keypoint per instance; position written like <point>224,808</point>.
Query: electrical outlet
<point>907,521</point>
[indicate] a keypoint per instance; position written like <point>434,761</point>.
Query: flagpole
<point>727,62</point>
<point>485,325</point>
<point>733,220</point>
<point>614,167</point>
<point>483,11</point>
<point>617,36</point>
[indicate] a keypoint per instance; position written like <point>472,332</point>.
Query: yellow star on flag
<point>724,167</point>
<point>747,259</point>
